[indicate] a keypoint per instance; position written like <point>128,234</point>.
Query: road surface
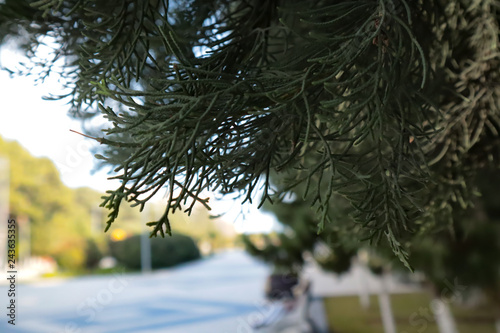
<point>222,294</point>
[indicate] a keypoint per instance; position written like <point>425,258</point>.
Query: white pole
<point>4,209</point>
<point>385,305</point>
<point>360,267</point>
<point>443,316</point>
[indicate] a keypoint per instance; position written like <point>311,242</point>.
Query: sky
<point>43,128</point>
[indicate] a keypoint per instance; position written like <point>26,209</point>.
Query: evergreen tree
<point>392,104</point>
<point>332,248</point>
<point>40,201</point>
<point>470,254</point>
<point>287,250</point>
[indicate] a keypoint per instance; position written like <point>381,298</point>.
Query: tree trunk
<point>497,325</point>
<point>385,306</point>
<point>444,317</point>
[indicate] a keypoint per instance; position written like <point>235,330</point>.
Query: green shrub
<point>71,258</point>
<point>92,254</point>
<point>165,252</point>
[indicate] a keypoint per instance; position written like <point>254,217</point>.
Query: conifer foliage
<point>392,104</point>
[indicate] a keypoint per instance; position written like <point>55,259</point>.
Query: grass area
<point>412,313</point>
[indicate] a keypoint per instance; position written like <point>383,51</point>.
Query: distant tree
<point>165,252</point>
<point>39,198</point>
<point>469,253</point>
<point>391,104</point>
<point>204,228</point>
<point>287,249</point>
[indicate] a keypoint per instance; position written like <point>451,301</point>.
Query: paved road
<point>221,295</point>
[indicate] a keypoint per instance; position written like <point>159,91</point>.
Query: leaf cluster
<point>391,104</point>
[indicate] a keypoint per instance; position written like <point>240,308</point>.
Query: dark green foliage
<point>472,257</point>
<point>92,254</point>
<point>165,252</point>
<point>391,104</point>
<point>338,261</point>
<point>282,254</point>
<point>287,250</point>
<point>469,253</point>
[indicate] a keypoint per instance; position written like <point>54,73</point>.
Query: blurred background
<point>232,269</point>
